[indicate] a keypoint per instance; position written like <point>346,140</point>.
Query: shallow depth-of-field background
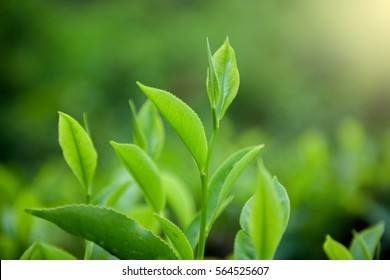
<point>315,89</point>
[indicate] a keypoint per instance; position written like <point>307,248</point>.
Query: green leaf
<point>116,233</point>
<point>335,250</point>
<point>226,68</point>
<point>177,237</point>
<point>144,171</point>
<point>192,231</point>
<point>269,215</point>
<point>152,129</point>
<point>243,246</point>
<point>213,89</point>
<point>138,138</point>
<point>364,244</point>
<point>42,251</point>
<point>77,149</point>
<point>179,198</point>
<point>223,179</point>
<point>144,216</point>
<point>183,119</point>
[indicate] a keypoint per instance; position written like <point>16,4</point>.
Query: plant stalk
<point>88,244</point>
<point>203,233</point>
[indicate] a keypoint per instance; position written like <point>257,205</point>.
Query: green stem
<point>203,233</point>
<point>88,244</point>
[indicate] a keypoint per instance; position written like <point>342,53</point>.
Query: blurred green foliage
<point>314,88</point>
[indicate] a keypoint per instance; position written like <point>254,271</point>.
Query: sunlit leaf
<point>40,250</point>
<point>364,243</point>
<point>177,237</point>
<point>116,233</point>
<point>269,215</point>
<point>144,171</point>
<point>183,119</point>
<point>226,68</point>
<point>335,250</point>
<point>225,176</point>
<point>77,149</point>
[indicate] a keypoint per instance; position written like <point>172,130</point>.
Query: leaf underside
<point>116,233</point>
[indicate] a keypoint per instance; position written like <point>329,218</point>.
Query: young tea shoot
<point>175,230</point>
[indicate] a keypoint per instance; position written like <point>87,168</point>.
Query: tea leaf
<point>152,129</point>
<point>77,149</point>
<point>269,215</point>
<point>144,171</point>
<point>192,231</point>
<point>144,216</point>
<point>366,240</point>
<point>116,233</point>
<point>223,179</point>
<point>335,250</point>
<point>184,121</point>
<point>226,68</point>
<point>179,198</point>
<point>213,89</point>
<point>177,237</point>
<point>42,251</point>
<point>243,246</point>
<point>138,138</point>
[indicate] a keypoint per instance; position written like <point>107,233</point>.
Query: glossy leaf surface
<point>116,233</point>
<point>183,119</point>
<point>177,237</point>
<point>269,215</point>
<point>40,250</point>
<point>335,250</point>
<point>144,171</point>
<point>77,149</point>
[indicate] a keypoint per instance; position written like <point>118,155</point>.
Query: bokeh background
<point>315,88</point>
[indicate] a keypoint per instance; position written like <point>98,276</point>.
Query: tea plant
<point>364,245</point>
<point>182,235</point>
